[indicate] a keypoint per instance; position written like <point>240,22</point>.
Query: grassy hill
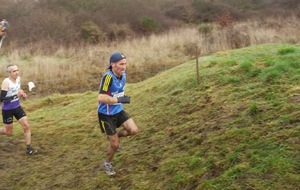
<point>238,129</point>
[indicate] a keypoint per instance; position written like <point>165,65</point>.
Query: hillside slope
<point>238,129</point>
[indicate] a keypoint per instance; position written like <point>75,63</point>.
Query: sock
<point>107,163</point>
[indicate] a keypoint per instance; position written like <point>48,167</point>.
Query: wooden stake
<point>197,66</point>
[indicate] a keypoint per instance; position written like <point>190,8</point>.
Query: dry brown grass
<point>76,69</point>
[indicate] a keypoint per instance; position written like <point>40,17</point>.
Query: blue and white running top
<point>114,87</point>
<point>13,89</point>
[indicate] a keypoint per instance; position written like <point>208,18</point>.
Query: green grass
<point>238,129</point>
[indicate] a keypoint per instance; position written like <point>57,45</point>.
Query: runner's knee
<point>134,131</point>
<point>114,145</point>
<point>26,128</point>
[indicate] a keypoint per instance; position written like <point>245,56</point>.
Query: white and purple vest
<point>13,89</point>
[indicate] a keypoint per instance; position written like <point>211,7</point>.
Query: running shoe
<point>109,169</point>
<point>30,151</point>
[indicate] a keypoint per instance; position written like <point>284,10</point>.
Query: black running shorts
<point>109,123</point>
<point>7,115</point>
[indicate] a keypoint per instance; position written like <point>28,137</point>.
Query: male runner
<point>10,94</point>
<point>110,109</point>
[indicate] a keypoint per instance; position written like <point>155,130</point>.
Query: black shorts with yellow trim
<point>110,123</point>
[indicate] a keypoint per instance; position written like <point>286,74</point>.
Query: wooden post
<point>197,66</point>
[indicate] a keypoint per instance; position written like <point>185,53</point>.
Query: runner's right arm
<point>103,96</point>
<point>8,98</point>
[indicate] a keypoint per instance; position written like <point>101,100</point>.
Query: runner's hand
<point>124,99</point>
<point>22,94</point>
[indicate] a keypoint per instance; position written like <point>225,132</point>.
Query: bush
<point>148,25</point>
<point>44,25</point>
<point>119,32</point>
<point>225,20</point>
<point>91,33</point>
<point>205,28</point>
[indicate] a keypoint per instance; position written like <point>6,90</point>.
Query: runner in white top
<point>10,94</point>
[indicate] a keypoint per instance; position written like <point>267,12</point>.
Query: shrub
<point>205,28</point>
<point>119,32</point>
<point>91,33</point>
<point>225,20</point>
<point>148,25</point>
<point>44,25</point>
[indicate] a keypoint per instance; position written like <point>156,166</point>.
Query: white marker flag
<point>30,86</point>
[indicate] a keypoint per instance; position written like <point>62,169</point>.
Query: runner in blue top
<point>10,94</point>
<point>110,109</point>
